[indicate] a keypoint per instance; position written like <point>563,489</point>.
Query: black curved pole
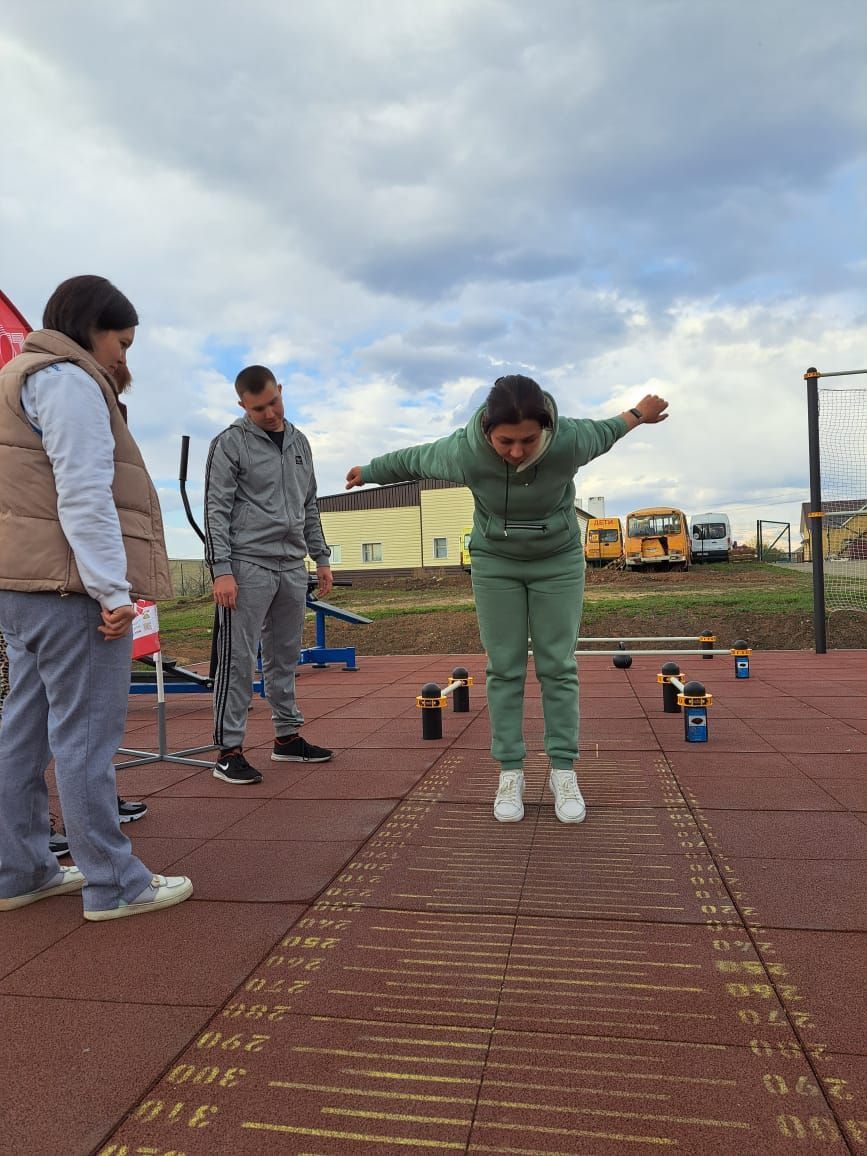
<point>182,478</point>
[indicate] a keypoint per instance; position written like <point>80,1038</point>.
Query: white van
<point>710,537</point>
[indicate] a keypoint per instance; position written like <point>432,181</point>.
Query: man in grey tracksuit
<point>261,520</point>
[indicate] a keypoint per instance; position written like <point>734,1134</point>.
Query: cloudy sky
<point>392,203</point>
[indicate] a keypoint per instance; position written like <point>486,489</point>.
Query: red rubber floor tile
<point>627,781</point>
<point>263,871</point>
<point>336,731</point>
<point>203,785</point>
<point>583,1094</point>
<point>850,791</point>
<point>406,732</point>
<point>830,764</point>
<point>624,867</point>
<point>622,735</point>
<point>844,1081</point>
<point>342,784</point>
<point>187,818</point>
<point>845,708</point>
<point>195,953</point>
<point>439,857</point>
<point>471,776</point>
<point>324,1085</point>
<point>320,819</point>
<point>702,759</point>
<point>69,1068</point>
<point>158,854</point>
<point>840,739</point>
<point>28,931</point>
<point>827,977</point>
<point>826,895</point>
<point>622,707</point>
<point>394,966</point>
<point>606,779</point>
<point>139,782</point>
<point>793,792</point>
<point>788,835</point>
<point>823,687</point>
<point>357,760</point>
<point>724,735</point>
<point>621,831</point>
<point>656,981</point>
<point>775,708</point>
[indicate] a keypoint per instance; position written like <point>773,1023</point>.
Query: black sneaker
<point>294,749</point>
<point>232,767</point>
<point>57,841</point>
<point>129,811</point>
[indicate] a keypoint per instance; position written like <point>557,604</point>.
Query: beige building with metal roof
<point>391,530</point>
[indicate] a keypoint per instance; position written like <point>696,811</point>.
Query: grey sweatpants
<point>270,607</point>
<point>69,693</point>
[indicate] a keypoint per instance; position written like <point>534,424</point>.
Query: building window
<point>441,548</point>
<point>336,555</point>
<point>371,551</point>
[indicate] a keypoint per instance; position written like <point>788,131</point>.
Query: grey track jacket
<point>260,504</point>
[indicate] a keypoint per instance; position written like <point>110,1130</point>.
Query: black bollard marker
<point>669,671</point>
<point>431,702</point>
<point>461,694</point>
<point>706,642</point>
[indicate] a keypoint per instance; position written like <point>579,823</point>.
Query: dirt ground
<point>451,631</point>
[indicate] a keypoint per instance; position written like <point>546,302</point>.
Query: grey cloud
<point>430,148</point>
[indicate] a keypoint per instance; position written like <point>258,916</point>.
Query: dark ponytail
<point>514,399</point>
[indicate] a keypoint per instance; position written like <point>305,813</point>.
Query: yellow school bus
<point>604,541</point>
<point>657,538</point>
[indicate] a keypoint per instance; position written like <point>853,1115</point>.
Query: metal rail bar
<point>639,653</point>
<point>648,638</point>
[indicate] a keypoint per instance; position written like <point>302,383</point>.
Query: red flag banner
<point>13,330</point>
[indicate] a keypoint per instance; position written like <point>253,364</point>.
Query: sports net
<point>843,466</point>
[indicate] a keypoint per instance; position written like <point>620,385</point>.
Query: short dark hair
<point>514,399</point>
<point>254,379</point>
<point>80,305</point>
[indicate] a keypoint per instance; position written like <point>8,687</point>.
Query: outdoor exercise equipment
<point>705,642</point>
<point>622,661</point>
<point>432,700</point>
<point>321,654</point>
<point>622,656</point>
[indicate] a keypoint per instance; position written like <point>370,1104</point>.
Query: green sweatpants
<point>539,598</point>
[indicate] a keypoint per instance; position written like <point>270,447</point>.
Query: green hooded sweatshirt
<point>523,512</point>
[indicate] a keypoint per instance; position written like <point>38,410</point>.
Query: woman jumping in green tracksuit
<point>518,458</point>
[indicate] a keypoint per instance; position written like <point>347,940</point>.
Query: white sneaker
<point>568,801</point>
<point>68,879</point>
<point>162,891</point>
<point>509,803</point>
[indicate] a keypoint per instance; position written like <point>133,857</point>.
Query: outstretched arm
<point>594,438</point>
<point>439,459</point>
<point>649,411</point>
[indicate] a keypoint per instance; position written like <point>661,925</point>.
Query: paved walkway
<point>371,964</point>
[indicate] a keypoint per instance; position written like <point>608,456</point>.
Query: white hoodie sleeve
<point>66,407</point>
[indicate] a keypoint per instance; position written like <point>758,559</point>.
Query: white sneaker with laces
<point>67,879</point>
<point>568,801</point>
<point>162,891</point>
<point>509,803</point>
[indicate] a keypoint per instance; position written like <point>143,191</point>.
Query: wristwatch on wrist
<point>637,414</point>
